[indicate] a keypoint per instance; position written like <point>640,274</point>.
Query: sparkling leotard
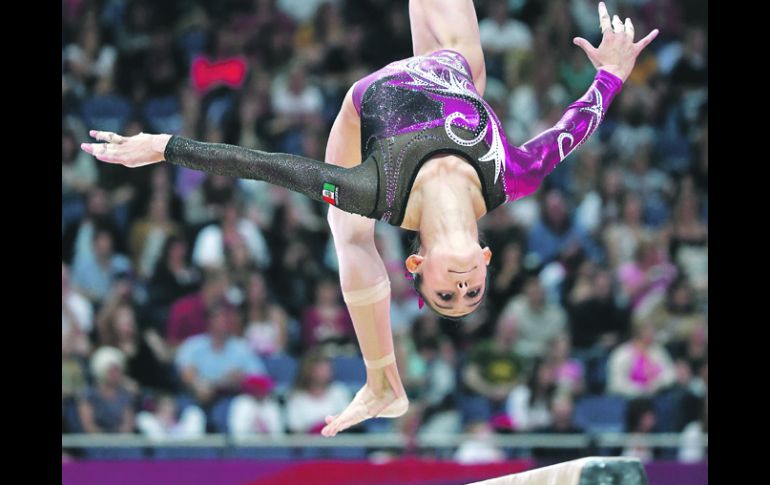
<point>417,108</point>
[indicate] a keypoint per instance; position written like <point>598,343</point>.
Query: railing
<point>389,440</point>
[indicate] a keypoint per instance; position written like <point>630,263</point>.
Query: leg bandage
<point>367,296</point>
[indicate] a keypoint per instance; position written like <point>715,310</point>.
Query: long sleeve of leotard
<point>352,189</point>
<point>529,164</point>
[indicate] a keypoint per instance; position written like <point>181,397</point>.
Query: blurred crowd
<point>194,303</point>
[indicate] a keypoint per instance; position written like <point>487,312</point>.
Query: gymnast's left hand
<point>617,52</point>
<point>131,151</point>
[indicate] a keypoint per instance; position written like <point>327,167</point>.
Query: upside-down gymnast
<point>416,146</point>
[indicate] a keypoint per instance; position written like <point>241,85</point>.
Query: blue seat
<point>186,453</point>
<point>596,414</point>
<point>348,453</point>
<point>283,370</point>
<point>379,425</point>
<point>163,114</point>
<point>474,408</point>
<point>668,411</point>
<point>315,453</point>
<point>251,453</point>
<point>109,113</point>
<point>350,371</point>
<point>70,416</point>
<point>113,453</point>
<point>219,413</point>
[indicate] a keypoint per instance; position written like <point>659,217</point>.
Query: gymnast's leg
<point>366,288</point>
<point>448,24</point>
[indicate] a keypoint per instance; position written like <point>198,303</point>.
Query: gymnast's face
<point>453,282</point>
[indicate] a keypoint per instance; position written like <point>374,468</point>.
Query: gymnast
<point>416,146</point>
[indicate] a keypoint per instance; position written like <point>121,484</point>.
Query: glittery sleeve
<point>529,164</point>
<point>352,189</point>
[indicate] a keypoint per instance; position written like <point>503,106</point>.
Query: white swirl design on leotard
<point>597,109</point>
<point>562,136</point>
<point>452,85</point>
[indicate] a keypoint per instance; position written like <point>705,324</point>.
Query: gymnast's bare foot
<point>382,396</point>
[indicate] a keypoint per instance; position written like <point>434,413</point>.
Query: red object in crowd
<point>206,73</point>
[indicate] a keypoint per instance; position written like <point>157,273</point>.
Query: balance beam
<point>585,471</point>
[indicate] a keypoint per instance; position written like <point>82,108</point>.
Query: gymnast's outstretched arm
<point>614,58</point>
<point>351,189</point>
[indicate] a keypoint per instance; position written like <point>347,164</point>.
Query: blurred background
<point>202,318</point>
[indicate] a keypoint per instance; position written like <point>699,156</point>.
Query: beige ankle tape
<point>381,362</point>
<point>369,295</point>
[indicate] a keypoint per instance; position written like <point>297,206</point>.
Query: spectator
<point>78,176</point>
<point>500,34</point>
<point>507,276</point>
<point>640,420</point>
<point>556,232</point>
<point>327,321</point>
<point>431,383</point>
<point>89,60</point>
<point>493,368</point>
<point>639,367</point>
<point>267,324</point>
<point>623,238</point>
<point>148,236</point>
<point>77,239</point>
<point>529,404</point>
<point>76,314</point>
<point>596,320</point>
<point>107,406</point>
<point>166,421</point>
<point>569,372</point>
<point>644,280</point>
<point>94,276</point>
<point>255,411</point>
<point>688,246</point>
<point>480,448</point>
<point>73,382</point>
<point>691,450</point>
<point>562,411</point>
<point>205,202</point>
<point>173,278</point>
<point>147,358</point>
<point>187,316</point>
<point>213,365</point>
<point>677,317</point>
<point>315,395</point>
<point>213,241</point>
<point>538,320</point>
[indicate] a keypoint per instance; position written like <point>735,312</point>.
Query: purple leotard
<point>423,106</point>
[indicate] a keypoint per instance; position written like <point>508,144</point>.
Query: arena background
<point>594,335</point>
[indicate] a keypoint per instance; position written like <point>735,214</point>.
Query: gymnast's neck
<point>445,203</point>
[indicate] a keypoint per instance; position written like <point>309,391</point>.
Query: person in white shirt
<point>255,411</point>
<point>315,396</point>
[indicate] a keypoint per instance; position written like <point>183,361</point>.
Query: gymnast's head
<point>450,276</point>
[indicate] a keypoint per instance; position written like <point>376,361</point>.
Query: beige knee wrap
<point>369,295</point>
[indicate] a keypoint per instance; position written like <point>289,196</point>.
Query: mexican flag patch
<point>331,193</point>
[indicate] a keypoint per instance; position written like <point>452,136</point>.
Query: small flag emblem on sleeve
<point>331,193</point>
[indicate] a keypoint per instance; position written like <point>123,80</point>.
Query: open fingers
<point>646,40</point>
<point>604,17</point>
<point>629,29</point>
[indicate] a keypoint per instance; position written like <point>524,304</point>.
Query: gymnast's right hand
<point>131,151</point>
